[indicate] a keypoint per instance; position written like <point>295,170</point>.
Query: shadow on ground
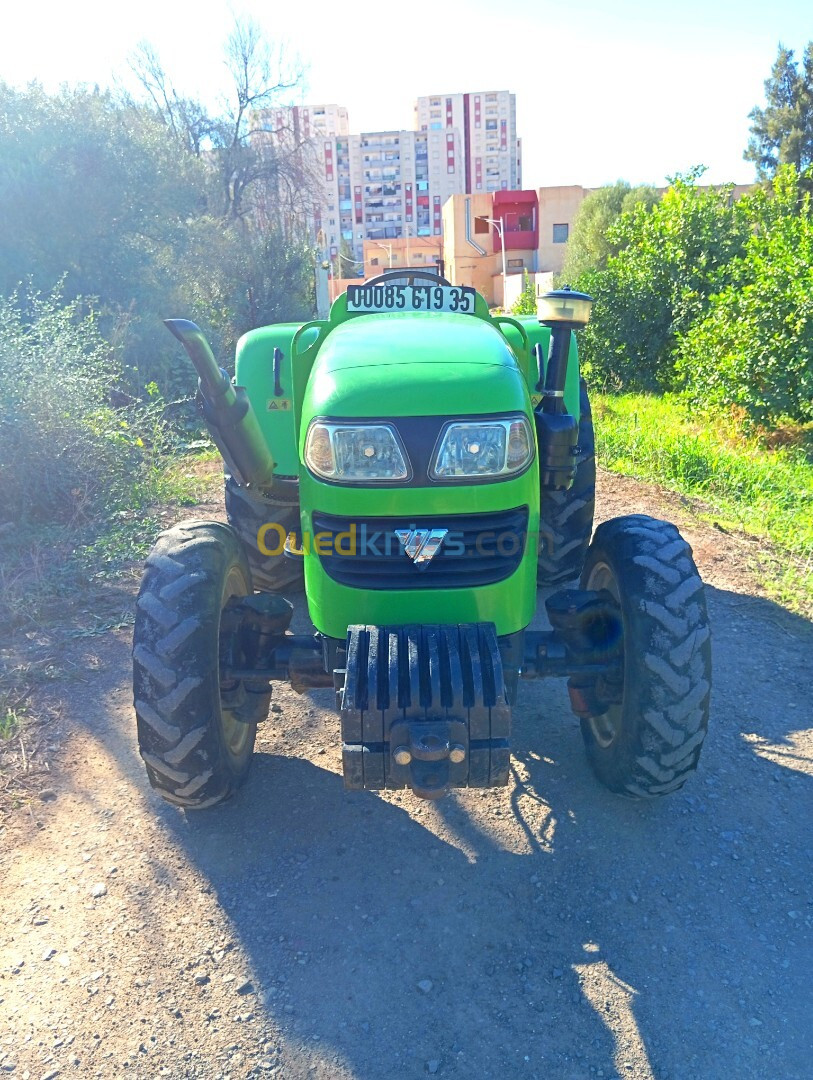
<point>557,931</point>
<point>547,930</point>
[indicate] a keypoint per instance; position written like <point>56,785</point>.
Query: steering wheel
<point>389,277</point>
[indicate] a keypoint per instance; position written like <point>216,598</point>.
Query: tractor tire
<point>648,743</point>
<point>247,512</point>
<point>566,517</point>
<point>196,737</point>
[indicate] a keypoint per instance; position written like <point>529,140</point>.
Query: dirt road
<point>549,930</point>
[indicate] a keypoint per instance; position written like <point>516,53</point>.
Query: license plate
<point>371,298</point>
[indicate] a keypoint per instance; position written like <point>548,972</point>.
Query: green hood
<point>436,365</point>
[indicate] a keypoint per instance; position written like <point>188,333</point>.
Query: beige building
<point>418,253</point>
<point>386,186</point>
<point>487,122</point>
<point>534,226</point>
<point>391,185</point>
<point>303,122</point>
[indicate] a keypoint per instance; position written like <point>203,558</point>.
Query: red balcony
<point>519,213</point>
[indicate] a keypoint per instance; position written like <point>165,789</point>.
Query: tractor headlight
<point>470,448</point>
<point>355,453</point>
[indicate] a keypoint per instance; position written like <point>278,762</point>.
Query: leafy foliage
<point>526,304</point>
<point>590,245</point>
<point>753,346</point>
<point>66,452</point>
<point>156,209</point>
<point>782,132</point>
<point>670,257</point>
<point>711,297</point>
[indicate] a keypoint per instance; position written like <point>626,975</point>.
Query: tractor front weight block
<point>424,707</point>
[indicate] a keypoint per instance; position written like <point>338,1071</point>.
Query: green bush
<point>670,258</point>
<point>526,302</point>
<point>711,297</point>
<point>753,347</point>
<point>67,453</point>
<point>589,246</point>
<point>100,195</point>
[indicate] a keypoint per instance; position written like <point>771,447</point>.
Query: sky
<point>605,91</point>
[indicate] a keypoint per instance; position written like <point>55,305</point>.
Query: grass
<point>129,532</point>
<point>48,570</point>
<point>61,582</point>
<point>747,485</point>
<point>9,723</point>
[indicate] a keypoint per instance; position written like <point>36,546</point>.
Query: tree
<point>669,260</point>
<point>259,76</point>
<point>190,124</point>
<point>753,346</point>
<point>589,247</point>
<point>782,132</point>
<point>93,195</point>
<point>270,175</point>
<point>101,196</point>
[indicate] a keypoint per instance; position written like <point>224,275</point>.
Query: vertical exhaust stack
<point>557,431</point>
<point>227,410</point>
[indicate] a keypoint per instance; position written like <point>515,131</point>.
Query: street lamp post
<point>386,247</point>
<point>353,262</point>
<point>500,227</point>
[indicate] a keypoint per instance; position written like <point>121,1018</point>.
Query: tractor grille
<point>479,549</point>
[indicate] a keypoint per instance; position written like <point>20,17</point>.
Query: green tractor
<point>420,467</point>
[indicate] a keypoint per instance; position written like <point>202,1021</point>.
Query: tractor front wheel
<point>195,734</point>
<point>648,741</point>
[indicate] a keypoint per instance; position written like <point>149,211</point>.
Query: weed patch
<point>765,491</point>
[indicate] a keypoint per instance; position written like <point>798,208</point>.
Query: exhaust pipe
<point>557,431</point>
<point>227,410</point>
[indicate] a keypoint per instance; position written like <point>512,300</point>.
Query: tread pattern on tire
<point>566,517</point>
<point>667,658</point>
<point>247,511</point>
<point>176,670</point>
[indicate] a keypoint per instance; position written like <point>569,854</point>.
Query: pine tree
<point>782,131</point>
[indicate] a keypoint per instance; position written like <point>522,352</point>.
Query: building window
<point>560,234</point>
<point>516,262</point>
<point>373,262</point>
